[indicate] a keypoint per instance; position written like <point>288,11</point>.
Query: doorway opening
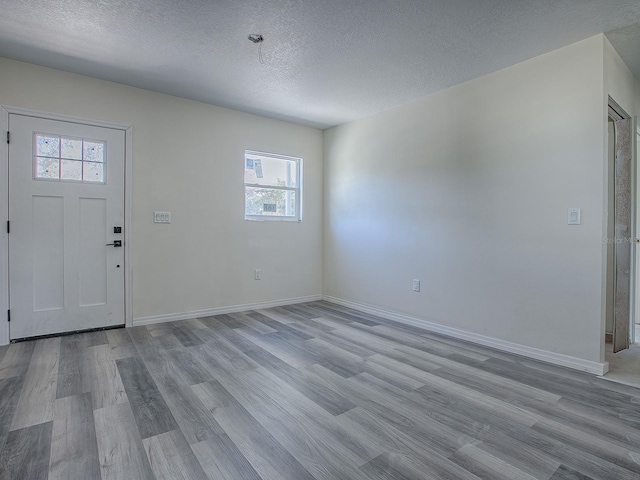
<point>622,350</point>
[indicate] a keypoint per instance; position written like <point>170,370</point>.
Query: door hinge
<point>8,136</point>
<point>8,315</point>
<point>8,226</point>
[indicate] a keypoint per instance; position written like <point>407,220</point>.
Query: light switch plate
<point>573,216</point>
<point>161,217</point>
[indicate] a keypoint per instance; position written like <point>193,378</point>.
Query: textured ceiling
<point>326,62</point>
<point>626,41</point>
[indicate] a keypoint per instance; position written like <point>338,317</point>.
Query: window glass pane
<point>93,152</point>
<point>70,170</point>
<point>71,148</point>
<point>93,172</point>
<point>47,168</point>
<point>47,146</point>
<point>270,202</point>
<point>270,171</point>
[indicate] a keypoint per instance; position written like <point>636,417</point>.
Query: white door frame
<point>5,111</point>
<point>635,150</point>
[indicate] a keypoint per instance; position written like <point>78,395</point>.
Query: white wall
<point>188,159</point>
<point>468,191</point>
<point>620,83</point>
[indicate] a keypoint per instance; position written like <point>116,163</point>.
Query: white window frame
<point>297,189</point>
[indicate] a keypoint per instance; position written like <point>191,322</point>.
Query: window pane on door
<point>68,159</point>
<point>93,152</point>
<point>70,170</point>
<point>93,172</point>
<point>71,148</point>
<point>48,168</point>
<point>48,146</point>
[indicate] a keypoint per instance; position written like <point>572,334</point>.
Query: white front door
<point>66,195</point>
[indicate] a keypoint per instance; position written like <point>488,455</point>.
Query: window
<point>272,189</point>
<point>68,159</point>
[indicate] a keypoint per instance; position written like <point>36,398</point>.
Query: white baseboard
<point>510,347</point>
<point>170,317</point>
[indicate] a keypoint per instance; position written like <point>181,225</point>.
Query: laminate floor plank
<point>578,389</point>
<point>221,460</point>
<point>10,389</point>
<point>74,448</point>
<point>220,353</point>
<point>266,455</point>
<point>26,453</point>
<point>397,442</point>
<point>323,332</point>
<point>335,358</point>
<point>187,366</point>
<point>106,385</point>
<point>237,340</point>
<point>289,313</point>
<point>565,473</point>
<point>350,315</point>
<point>494,432</point>
<point>171,457</point>
<point>277,317</point>
<point>287,332</point>
<point>313,391</point>
<point>624,457</point>
<point>186,335</point>
<point>255,324</point>
<point>294,355</point>
<point>397,410</point>
<point>273,319</point>
<point>562,452</point>
<point>120,449</point>
<point>40,384</point>
<point>397,465</point>
<point>98,337</point>
<point>121,344</point>
<point>16,359</point>
<point>496,385</point>
<point>74,371</point>
<point>148,345</point>
<point>331,452</point>
<point>228,321</point>
<point>213,322</point>
<point>195,421</point>
<point>303,381</point>
<point>485,465</point>
<point>301,310</point>
<point>150,410</point>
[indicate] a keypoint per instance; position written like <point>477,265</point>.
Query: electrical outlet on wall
<point>258,274</point>
<point>416,285</point>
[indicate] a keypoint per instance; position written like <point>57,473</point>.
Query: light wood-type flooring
<point>310,391</point>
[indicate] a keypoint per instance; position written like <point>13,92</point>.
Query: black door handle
<point>116,243</point>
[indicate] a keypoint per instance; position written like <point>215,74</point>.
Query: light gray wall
<point>468,191</point>
<point>188,158</point>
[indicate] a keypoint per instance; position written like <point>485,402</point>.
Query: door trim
<point>616,112</point>
<point>5,111</point>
